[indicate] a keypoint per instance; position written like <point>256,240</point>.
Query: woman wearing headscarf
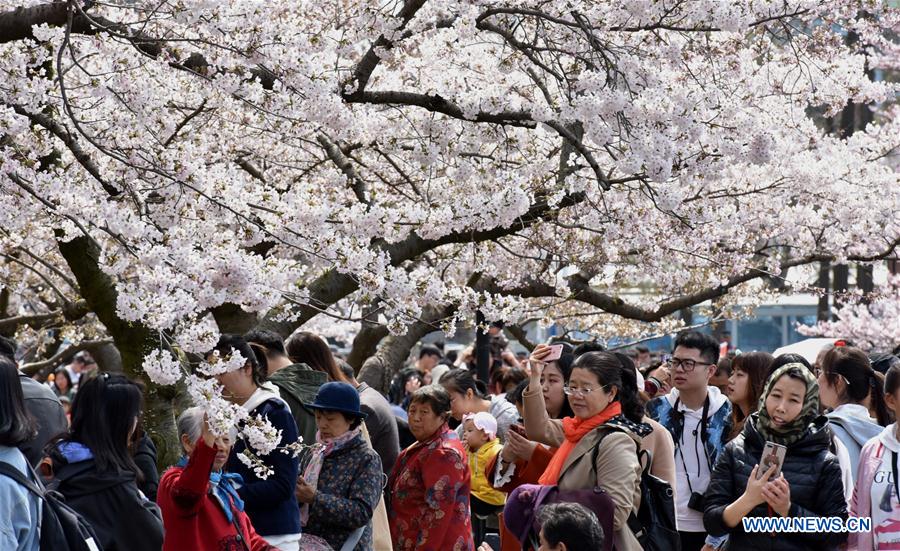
<point>810,481</point>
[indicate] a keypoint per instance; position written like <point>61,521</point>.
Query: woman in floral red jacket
<point>200,506</point>
<point>430,483</point>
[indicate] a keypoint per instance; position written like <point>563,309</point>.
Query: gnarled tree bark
<point>132,340</point>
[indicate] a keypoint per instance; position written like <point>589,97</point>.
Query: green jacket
<point>298,384</point>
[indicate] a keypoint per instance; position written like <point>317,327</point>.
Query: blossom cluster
<point>368,160</point>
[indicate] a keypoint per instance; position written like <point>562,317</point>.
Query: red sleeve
<point>190,485</point>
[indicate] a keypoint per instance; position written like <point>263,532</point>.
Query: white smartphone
<point>773,454</point>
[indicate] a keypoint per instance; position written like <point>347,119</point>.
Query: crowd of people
<point>553,451</point>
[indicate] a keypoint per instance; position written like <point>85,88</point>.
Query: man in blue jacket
<point>699,418</point>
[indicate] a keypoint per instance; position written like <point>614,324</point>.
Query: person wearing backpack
<point>94,470</point>
<point>809,485</point>
<point>598,447</point>
<point>42,405</point>
<point>21,508</point>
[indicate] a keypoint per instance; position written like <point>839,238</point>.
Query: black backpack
<point>654,523</point>
<point>62,529</point>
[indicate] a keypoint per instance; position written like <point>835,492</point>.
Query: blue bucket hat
<point>340,397</point>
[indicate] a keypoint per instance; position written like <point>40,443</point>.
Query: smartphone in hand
<point>518,429</point>
<point>555,353</point>
<point>773,454</point>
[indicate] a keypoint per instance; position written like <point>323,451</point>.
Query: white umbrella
<point>808,348</point>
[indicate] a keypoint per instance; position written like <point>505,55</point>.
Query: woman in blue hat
<point>342,484</point>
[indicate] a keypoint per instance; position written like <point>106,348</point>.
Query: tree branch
<point>333,285</point>
<point>363,70</point>
<point>438,104</point>
<point>17,24</point>
<point>580,289</point>
<point>62,356</point>
<point>378,370</point>
<point>36,321</point>
<point>518,332</point>
<point>70,311</point>
<point>343,163</point>
<point>67,138</point>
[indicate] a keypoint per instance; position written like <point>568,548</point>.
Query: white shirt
<point>883,495</point>
<point>694,467</point>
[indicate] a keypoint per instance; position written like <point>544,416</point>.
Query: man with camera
<point>699,418</point>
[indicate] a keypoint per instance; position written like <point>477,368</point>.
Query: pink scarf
<point>321,451</point>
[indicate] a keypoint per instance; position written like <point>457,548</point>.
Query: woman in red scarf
<point>430,483</point>
<point>608,412</point>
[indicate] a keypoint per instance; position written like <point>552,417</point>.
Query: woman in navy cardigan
<point>270,503</point>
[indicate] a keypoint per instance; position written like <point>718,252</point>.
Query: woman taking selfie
<point>809,484</point>
<point>597,446</point>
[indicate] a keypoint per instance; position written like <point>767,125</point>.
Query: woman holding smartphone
<point>809,483</point>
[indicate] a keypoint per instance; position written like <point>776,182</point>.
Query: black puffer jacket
<point>815,482</point>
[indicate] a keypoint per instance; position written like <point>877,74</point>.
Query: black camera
<point>696,502</point>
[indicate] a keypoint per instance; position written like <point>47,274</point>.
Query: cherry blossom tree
<point>172,170</point>
<point>871,321</point>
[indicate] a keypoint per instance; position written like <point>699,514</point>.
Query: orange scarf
<point>575,429</point>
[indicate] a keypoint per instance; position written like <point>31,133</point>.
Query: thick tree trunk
<point>132,340</point>
<point>365,343</point>
<point>231,318</point>
<point>108,358</point>
<point>379,369</point>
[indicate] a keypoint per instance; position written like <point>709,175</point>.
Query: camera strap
<point>703,434</point>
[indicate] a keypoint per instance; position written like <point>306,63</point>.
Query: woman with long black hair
<point>94,469</point>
